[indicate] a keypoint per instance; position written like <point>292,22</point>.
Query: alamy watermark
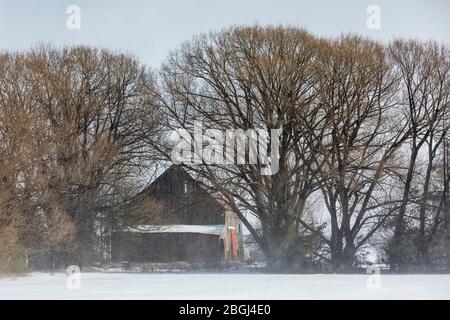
<point>73,21</point>
<point>73,277</point>
<point>228,147</point>
<point>373,21</point>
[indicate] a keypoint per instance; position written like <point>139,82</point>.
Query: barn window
<point>186,189</point>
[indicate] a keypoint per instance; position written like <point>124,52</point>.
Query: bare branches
<point>72,134</point>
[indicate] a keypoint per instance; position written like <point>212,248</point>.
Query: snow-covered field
<point>225,286</point>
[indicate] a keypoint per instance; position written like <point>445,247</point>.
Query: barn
<point>195,225</point>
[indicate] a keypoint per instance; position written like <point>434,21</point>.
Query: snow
<point>210,286</point>
<point>178,228</point>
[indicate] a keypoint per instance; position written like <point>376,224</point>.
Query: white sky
<point>150,29</point>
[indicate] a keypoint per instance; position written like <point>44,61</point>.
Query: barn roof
<point>177,168</point>
<point>178,228</point>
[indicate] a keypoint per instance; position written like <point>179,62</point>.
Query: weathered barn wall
<point>166,247</point>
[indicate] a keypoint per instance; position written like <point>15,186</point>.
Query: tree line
<point>363,153</point>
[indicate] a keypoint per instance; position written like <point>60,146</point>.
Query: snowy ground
<point>225,286</point>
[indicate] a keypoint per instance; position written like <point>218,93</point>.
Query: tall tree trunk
<point>397,262</point>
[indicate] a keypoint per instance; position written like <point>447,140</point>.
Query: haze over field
<point>227,286</point>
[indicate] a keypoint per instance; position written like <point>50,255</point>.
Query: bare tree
<point>424,69</point>
<point>356,89</point>
<point>27,221</point>
<point>80,111</point>
<point>250,78</point>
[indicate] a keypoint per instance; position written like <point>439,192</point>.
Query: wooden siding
<point>184,200</point>
<point>166,247</point>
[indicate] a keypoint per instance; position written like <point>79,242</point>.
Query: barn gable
<point>184,200</point>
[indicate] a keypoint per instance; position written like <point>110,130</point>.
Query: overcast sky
<point>150,29</point>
